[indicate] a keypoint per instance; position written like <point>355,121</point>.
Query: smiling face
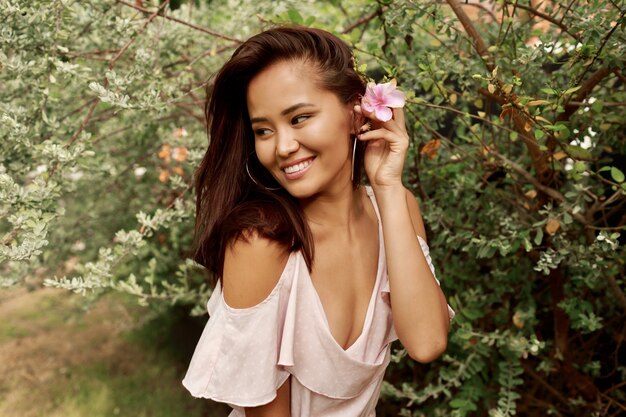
<point>301,131</point>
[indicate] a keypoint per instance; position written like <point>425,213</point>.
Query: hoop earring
<point>353,158</point>
<point>254,179</point>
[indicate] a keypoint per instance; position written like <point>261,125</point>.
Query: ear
<point>357,119</point>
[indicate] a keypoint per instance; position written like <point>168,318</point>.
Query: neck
<point>339,209</point>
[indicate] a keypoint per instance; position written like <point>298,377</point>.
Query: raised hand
<point>387,147</point>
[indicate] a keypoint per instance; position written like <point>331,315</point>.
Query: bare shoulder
<point>416,214</point>
<point>252,267</point>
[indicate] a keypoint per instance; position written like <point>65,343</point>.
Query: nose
<point>286,143</point>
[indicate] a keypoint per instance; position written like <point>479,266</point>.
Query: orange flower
<point>180,132</point>
<point>165,152</point>
<point>180,153</point>
<point>164,175</point>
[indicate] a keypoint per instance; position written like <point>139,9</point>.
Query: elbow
<point>428,352</point>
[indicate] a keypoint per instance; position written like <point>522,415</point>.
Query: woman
<point>310,263</point>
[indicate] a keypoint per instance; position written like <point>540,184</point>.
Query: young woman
<point>317,273</point>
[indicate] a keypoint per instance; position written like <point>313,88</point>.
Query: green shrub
<point>517,158</point>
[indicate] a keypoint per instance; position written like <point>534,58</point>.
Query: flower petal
<point>395,98</point>
<point>367,106</point>
<point>383,113</point>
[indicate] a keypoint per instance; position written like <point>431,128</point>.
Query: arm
<point>419,307</point>
<point>252,268</point>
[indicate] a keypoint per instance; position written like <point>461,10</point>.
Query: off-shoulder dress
<point>245,354</point>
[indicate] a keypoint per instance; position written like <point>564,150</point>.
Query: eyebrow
<point>282,113</point>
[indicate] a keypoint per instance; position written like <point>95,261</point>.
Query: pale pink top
<point>245,354</point>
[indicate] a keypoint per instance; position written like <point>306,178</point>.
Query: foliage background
<point>518,157</point>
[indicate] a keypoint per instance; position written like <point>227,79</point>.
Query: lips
<point>296,169</point>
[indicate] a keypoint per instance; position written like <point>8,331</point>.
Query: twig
<point>182,22</point>
<point>483,8</point>
<point>584,91</point>
<point>597,54</point>
<point>143,27</point>
<point>106,83</point>
<point>364,20</point>
<point>551,192</point>
<point>545,384</point>
<point>549,18</point>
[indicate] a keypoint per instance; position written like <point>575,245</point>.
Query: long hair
<point>228,202</point>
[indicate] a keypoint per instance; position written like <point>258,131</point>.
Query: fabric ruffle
<point>310,353</point>
<point>235,360</point>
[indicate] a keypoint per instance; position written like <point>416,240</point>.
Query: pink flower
<point>379,98</point>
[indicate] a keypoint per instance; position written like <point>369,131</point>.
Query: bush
<point>516,115</point>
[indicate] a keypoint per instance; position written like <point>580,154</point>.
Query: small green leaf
<point>539,134</point>
<point>571,90</point>
<point>295,16</point>
<point>539,237</point>
<point>617,175</point>
<point>597,106</point>
<point>563,131</point>
<point>457,403</point>
<point>577,152</point>
<point>580,166</point>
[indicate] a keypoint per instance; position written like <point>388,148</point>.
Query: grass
<point>60,361</point>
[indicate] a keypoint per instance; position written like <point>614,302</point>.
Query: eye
<point>299,119</point>
<point>262,132</point>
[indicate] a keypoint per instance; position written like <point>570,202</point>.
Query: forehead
<point>282,85</point>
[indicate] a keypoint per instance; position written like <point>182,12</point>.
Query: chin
<point>300,192</point>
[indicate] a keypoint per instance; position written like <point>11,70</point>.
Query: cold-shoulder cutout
<point>252,267</point>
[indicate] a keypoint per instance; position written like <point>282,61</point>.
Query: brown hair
<point>228,202</point>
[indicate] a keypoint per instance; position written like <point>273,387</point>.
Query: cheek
<point>264,152</point>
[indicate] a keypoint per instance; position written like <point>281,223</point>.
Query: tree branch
<point>478,42</point>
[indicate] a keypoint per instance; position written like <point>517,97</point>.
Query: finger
<point>395,124</point>
<point>398,116</point>
<point>364,120</point>
<point>382,133</point>
<point>365,114</point>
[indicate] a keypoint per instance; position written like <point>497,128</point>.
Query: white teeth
<point>298,167</point>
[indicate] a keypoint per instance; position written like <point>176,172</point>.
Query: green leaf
<point>577,152</point>
<point>597,106</point>
<point>295,16</point>
<point>580,166</point>
<point>571,90</point>
<point>548,90</point>
<point>458,403</point>
<point>563,130</point>
<point>617,175</point>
